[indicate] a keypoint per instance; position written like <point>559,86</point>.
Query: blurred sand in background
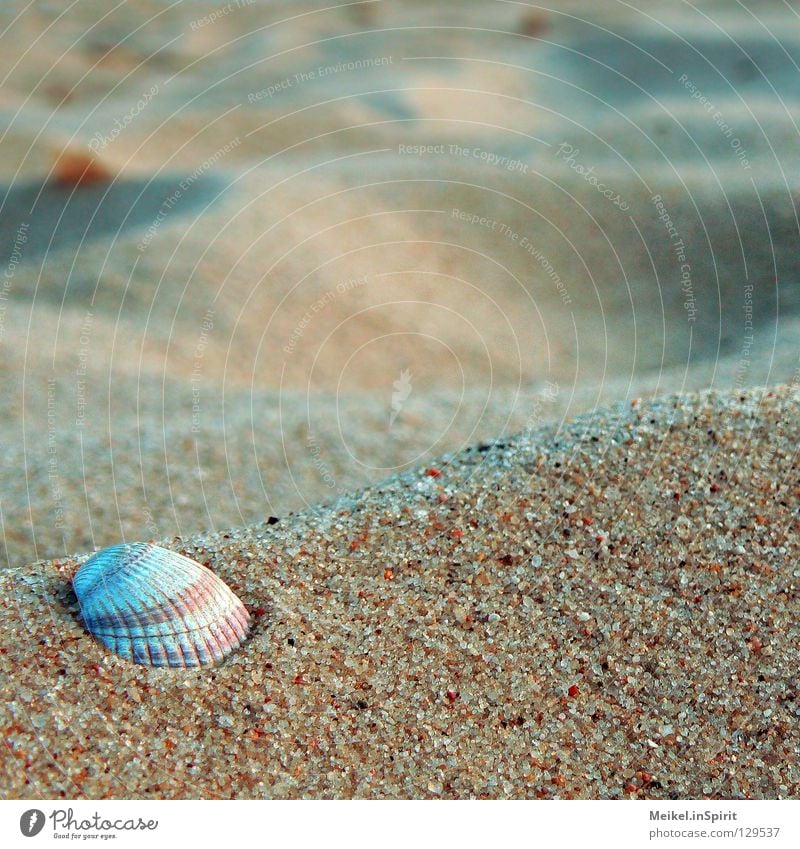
<point>285,209</point>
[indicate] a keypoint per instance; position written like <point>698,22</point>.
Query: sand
<point>601,611</point>
<point>319,251</point>
<point>329,235</point>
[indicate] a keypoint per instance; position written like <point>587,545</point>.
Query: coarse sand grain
<point>601,610</point>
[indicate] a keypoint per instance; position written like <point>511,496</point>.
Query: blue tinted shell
<point>156,607</point>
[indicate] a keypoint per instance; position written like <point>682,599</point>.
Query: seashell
<point>154,606</point>
<point>74,168</point>
<point>534,23</point>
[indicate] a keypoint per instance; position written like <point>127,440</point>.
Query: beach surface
<point>326,245</point>
<point>460,339</point>
<point>605,610</point>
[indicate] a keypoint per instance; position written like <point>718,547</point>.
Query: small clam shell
<point>154,606</point>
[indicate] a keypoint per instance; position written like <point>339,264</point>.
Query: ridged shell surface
<point>156,607</point>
